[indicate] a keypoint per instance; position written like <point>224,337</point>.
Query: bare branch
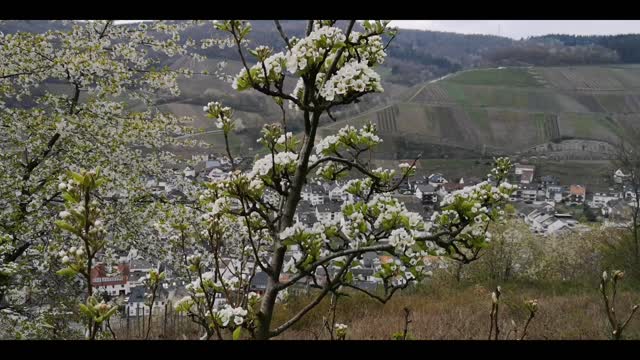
<point>282,33</point>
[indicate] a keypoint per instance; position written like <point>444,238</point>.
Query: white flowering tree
<point>246,223</point>
<point>83,96</point>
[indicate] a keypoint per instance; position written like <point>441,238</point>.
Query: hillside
<point>562,112</point>
<point>539,110</point>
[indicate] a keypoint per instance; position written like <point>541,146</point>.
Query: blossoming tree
<point>82,96</point>
<point>246,223</point>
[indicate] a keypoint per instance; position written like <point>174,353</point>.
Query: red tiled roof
<point>453,186</point>
<point>577,190</point>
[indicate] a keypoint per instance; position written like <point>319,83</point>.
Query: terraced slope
<point>509,110</point>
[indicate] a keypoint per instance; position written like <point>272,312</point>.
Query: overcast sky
<point>524,28</point>
<point>517,29</point>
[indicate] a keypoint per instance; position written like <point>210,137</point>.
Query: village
<point>548,207</point>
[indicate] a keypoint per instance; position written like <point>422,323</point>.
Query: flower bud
<point>618,275</point>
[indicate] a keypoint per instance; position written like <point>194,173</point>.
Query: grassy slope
<point>512,109</point>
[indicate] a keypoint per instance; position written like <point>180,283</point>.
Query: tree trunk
<point>268,301</point>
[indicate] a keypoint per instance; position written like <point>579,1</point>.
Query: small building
<point>139,265</point>
<point>137,304</point>
<point>216,174</point>
<point>307,218</point>
<point>619,177</point>
<point>549,180</point>
<point>259,283</point>
<point>426,193</point>
<point>555,193</point>
<point>111,284</point>
<point>448,188</point>
<point>526,177</point>
<point>520,168</point>
<point>336,192</point>
<point>314,194</point>
<point>629,193</point>
<point>527,192</point>
<point>329,211</point>
<point>577,194</point>
<point>547,223</point>
<point>436,180</point>
<point>601,199</point>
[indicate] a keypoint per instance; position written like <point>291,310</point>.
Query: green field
<point>510,110</point>
<point>511,77</point>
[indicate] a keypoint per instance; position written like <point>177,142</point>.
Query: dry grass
<point>463,313</point>
<point>441,312</point>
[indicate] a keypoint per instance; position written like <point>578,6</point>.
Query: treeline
<point>536,53</point>
<point>416,56</point>
<point>627,46</point>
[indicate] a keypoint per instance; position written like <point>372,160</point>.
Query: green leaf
<point>68,197</point>
<point>65,226</point>
<point>86,310</point>
<point>66,272</point>
<point>77,177</point>
<point>237,333</point>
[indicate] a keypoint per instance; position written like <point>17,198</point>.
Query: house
<point>112,284</point>
<point>617,210</point>
<point>307,218</point>
<point>404,184</point>
<point>448,188</point>
<point>436,180</point>
<point>549,180</point>
<point>364,274</point>
<point>577,194</point>
<point>470,181</point>
<point>629,193</point>
<point>555,193</point>
<point>314,194</point>
<point>336,192</point>
<point>329,211</point>
<point>526,176</point>
<point>216,174</point>
<point>259,283</point>
<point>137,279</point>
<point>547,223</point>
<point>136,304</point>
<point>601,199</point>
<point>620,177</point>
<point>426,193</point>
<point>139,265</point>
<point>520,168</point>
<point>527,192</point>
